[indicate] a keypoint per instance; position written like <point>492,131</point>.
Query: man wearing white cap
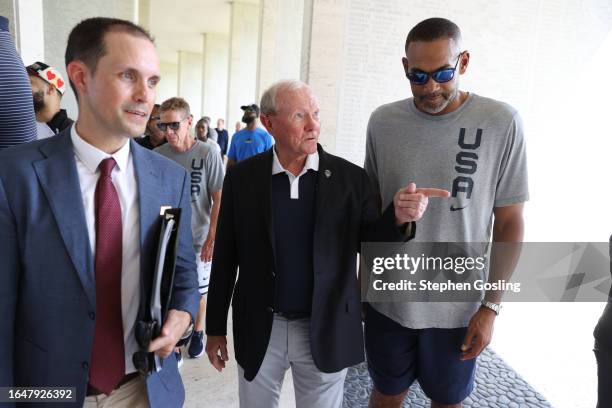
<point>48,87</point>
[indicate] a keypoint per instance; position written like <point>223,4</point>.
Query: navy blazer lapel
<point>58,177</point>
<point>148,179</point>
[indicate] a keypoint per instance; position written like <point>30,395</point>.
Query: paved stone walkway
<point>497,386</point>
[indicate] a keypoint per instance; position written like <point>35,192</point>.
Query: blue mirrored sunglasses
<point>440,76</point>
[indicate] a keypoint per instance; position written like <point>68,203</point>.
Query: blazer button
<point>85,365</point>
<point>92,315</point>
<point>270,309</point>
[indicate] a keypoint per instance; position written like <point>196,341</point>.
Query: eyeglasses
<point>172,125</point>
<point>440,76</point>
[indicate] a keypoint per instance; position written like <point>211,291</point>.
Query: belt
<point>294,315</point>
<point>92,392</point>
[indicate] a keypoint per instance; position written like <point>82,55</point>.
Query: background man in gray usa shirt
<point>203,162</point>
<point>474,147</point>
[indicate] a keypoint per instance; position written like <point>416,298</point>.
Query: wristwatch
<point>493,306</point>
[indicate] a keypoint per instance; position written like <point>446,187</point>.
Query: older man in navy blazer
<point>79,224</point>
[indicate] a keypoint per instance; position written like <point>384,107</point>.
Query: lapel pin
<point>327,173</point>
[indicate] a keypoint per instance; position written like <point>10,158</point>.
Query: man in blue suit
<point>79,226</point>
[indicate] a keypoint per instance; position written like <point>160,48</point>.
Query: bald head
<point>270,99</point>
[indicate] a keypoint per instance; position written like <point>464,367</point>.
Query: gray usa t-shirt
<point>205,168</point>
<point>476,152</point>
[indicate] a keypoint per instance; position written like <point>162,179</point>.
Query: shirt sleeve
<point>512,184</point>
<point>232,150</point>
<point>17,120</point>
<point>215,172</point>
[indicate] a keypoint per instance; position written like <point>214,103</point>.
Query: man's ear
<point>78,74</point>
<point>463,64</point>
<point>50,89</point>
<point>405,64</point>
<point>265,120</point>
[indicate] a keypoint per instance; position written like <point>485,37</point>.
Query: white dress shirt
<point>43,131</point>
<point>88,159</point>
<point>312,163</point>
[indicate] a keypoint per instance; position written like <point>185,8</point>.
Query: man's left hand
<point>177,322</point>
<point>479,334</point>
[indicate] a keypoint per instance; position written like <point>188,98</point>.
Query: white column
<point>30,28</point>
<point>215,76</point>
<point>168,86</point>
<point>143,14</point>
<point>280,46</point>
<point>190,80</point>
<point>324,67</point>
<point>242,78</point>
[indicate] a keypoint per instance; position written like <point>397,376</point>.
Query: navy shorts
<point>398,355</point>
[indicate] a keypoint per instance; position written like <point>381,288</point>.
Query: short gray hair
<point>268,99</point>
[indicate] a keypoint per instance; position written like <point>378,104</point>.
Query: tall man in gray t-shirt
<point>474,147</point>
<point>203,162</point>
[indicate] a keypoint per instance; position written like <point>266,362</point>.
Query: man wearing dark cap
<point>251,140</point>
<point>48,87</point>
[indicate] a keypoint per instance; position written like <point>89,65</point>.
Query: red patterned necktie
<point>108,356</point>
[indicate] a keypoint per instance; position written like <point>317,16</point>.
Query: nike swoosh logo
<point>453,208</point>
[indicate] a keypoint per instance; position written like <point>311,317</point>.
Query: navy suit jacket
<point>47,283</point>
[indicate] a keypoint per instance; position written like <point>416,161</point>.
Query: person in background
<point>251,140</point>
<point>222,139</point>
<point>203,162</point>
<point>201,133</point>
<point>153,136</point>
<point>48,88</point>
<point>17,119</point>
<point>603,349</point>
<point>212,133</point>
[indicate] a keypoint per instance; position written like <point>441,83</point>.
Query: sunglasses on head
<point>440,76</point>
<point>172,125</point>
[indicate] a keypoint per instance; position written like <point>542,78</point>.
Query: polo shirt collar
<point>312,163</point>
